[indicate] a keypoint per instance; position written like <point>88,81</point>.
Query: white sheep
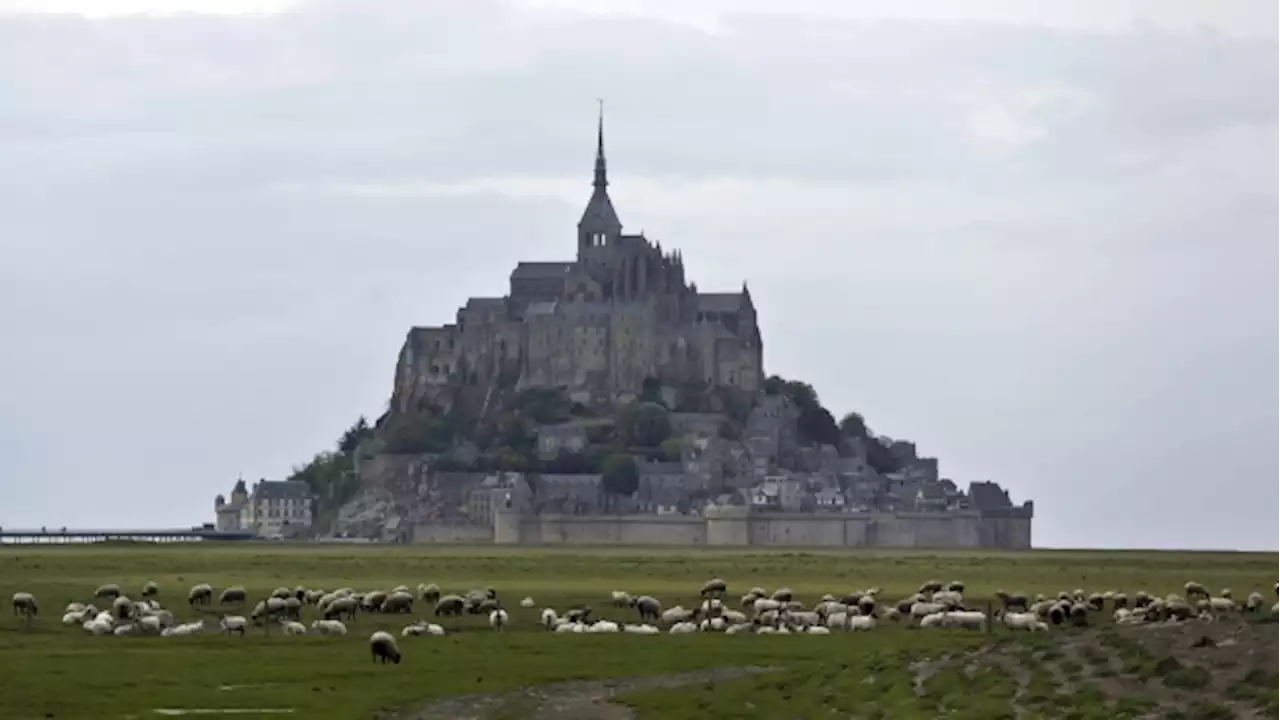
<point>383,647</point>
<point>233,623</point>
<point>683,628</point>
<point>817,630</point>
<point>498,619</point>
<point>1020,620</point>
<point>863,623</point>
<point>564,626</point>
<point>24,604</point>
<point>675,615</point>
<point>641,629</point>
<point>648,607</point>
<point>329,627</point>
<point>293,627</point>
<point>1222,605</point>
<point>527,603</point>
<point>967,619</point>
<point>620,599</point>
<point>98,627</point>
<point>200,594</point>
<point>921,609</point>
<point>603,626</point>
<point>422,628</point>
<point>548,618</point>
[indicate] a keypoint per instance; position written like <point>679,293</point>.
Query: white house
<point>275,505</point>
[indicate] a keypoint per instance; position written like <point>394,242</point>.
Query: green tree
<point>651,390</point>
<point>645,424</point>
<point>672,449</point>
<point>354,435</point>
<point>621,475</point>
<point>852,425</point>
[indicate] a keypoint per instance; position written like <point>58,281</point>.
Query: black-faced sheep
<point>782,595</point>
<point>372,602</point>
<point>1194,589</point>
<point>450,605</point>
<point>383,647</point>
<point>281,592</point>
<point>232,595</point>
<point>930,587</point>
<point>955,586</point>
<point>499,619</point>
<point>1010,602</point>
<point>151,589</point>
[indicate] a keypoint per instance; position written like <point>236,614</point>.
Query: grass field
<point>52,671</point>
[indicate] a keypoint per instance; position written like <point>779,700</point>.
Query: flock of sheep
<point>934,605</point>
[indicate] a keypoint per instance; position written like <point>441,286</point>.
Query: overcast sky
<point>1038,238</point>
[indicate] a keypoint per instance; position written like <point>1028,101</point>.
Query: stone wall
<point>438,533</point>
<point>741,527</point>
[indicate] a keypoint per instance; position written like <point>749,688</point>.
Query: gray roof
<point>541,307</point>
<point>719,302</point>
<point>486,303</point>
<point>540,270</point>
<point>599,216</point>
<point>281,490</point>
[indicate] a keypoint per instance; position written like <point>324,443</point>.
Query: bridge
<point>61,536</point>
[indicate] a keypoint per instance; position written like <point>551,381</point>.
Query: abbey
<point>599,325</point>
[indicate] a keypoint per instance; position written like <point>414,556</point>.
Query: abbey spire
<point>599,225</point>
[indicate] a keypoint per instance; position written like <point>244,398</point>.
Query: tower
<point>599,226</point>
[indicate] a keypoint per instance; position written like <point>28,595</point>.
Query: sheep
<point>293,607</point>
<point>422,628</point>
<point>110,590</point>
<point>382,646</point>
<point>603,626</point>
<point>620,599</point>
<point>527,603</point>
<point>97,627</point>
<point>293,627</point>
<point>1119,600</point>
<point>782,595</point>
<point>200,594</point>
<point>1222,605</point>
<point>1011,601</point>
<point>579,615</point>
<point>548,618</point>
<point>715,588</point>
<point>967,619</point>
<point>862,623</point>
<point>498,619</point>
<point>429,592</point>
<point>921,609</point>
<point>373,601</point>
<point>281,592</point>
<point>648,608</point>
<point>232,595</point>
<point>1020,620</point>
<point>710,608</point>
<point>683,628</point>
<point>676,615</point>
<point>397,602</point>
<point>24,604</point>
<point>125,630</point>
<point>955,586</point>
<point>122,608</point>
<point>233,623</point>
<point>449,605</point>
<point>1253,603</point>
<point>1079,614</point>
<point>930,587</point>
<point>765,604</point>
<point>1194,589</point>
<point>339,607</point>
<point>329,627</point>
<point>313,596</point>
<point>641,629</point>
<point>1225,592</point>
<point>1095,601</point>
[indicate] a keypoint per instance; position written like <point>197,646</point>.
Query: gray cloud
<point>1047,254</point>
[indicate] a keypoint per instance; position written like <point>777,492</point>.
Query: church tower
<point>599,227</point>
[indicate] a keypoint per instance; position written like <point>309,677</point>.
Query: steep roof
<point>599,216</point>
<point>281,490</point>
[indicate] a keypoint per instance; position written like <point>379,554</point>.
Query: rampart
<point>728,526</point>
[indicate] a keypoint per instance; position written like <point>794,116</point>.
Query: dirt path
<point>575,700</point>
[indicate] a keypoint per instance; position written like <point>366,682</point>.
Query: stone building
<point>272,508</point>
<point>598,325</point>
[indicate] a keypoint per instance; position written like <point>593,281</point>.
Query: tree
<point>651,390</point>
<point>621,475</point>
<point>353,436</point>
<point>645,424</point>
<point>852,425</point>
<point>672,449</point>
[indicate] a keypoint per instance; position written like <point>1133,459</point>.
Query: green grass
<point>59,672</point>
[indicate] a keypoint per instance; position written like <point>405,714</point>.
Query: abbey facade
<point>598,325</point>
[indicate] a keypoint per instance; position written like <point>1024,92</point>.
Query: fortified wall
<point>732,526</point>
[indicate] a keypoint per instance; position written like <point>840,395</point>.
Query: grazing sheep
<point>579,615</point>
<point>293,627</point>
<point>122,608</point>
<point>1020,620</point>
<point>281,592</point>
<point>1079,614</point>
<point>676,615</point>
<point>110,590</point>
<point>1194,589</point>
<point>233,623</point>
<point>342,606</point>
<point>641,629</point>
<point>232,595</point>
<point>1222,605</point>
<point>1015,601</point>
<point>382,645</point>
<point>372,602</point>
<point>1253,603</point>
<point>450,605</point>
<point>620,599</point>
<point>498,619</point>
<point>24,604</point>
<point>201,594</point>
<point>930,587</point>
<point>955,586</point>
<point>150,589</point>
<point>603,626</point>
<point>648,607</point>
<point>1119,600</point>
<point>683,628</point>
<point>329,627</point>
<point>861,623</point>
<point>398,602</point>
<point>715,588</point>
<point>527,603</point>
<point>421,628</point>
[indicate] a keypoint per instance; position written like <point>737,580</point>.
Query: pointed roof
<point>600,215</point>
